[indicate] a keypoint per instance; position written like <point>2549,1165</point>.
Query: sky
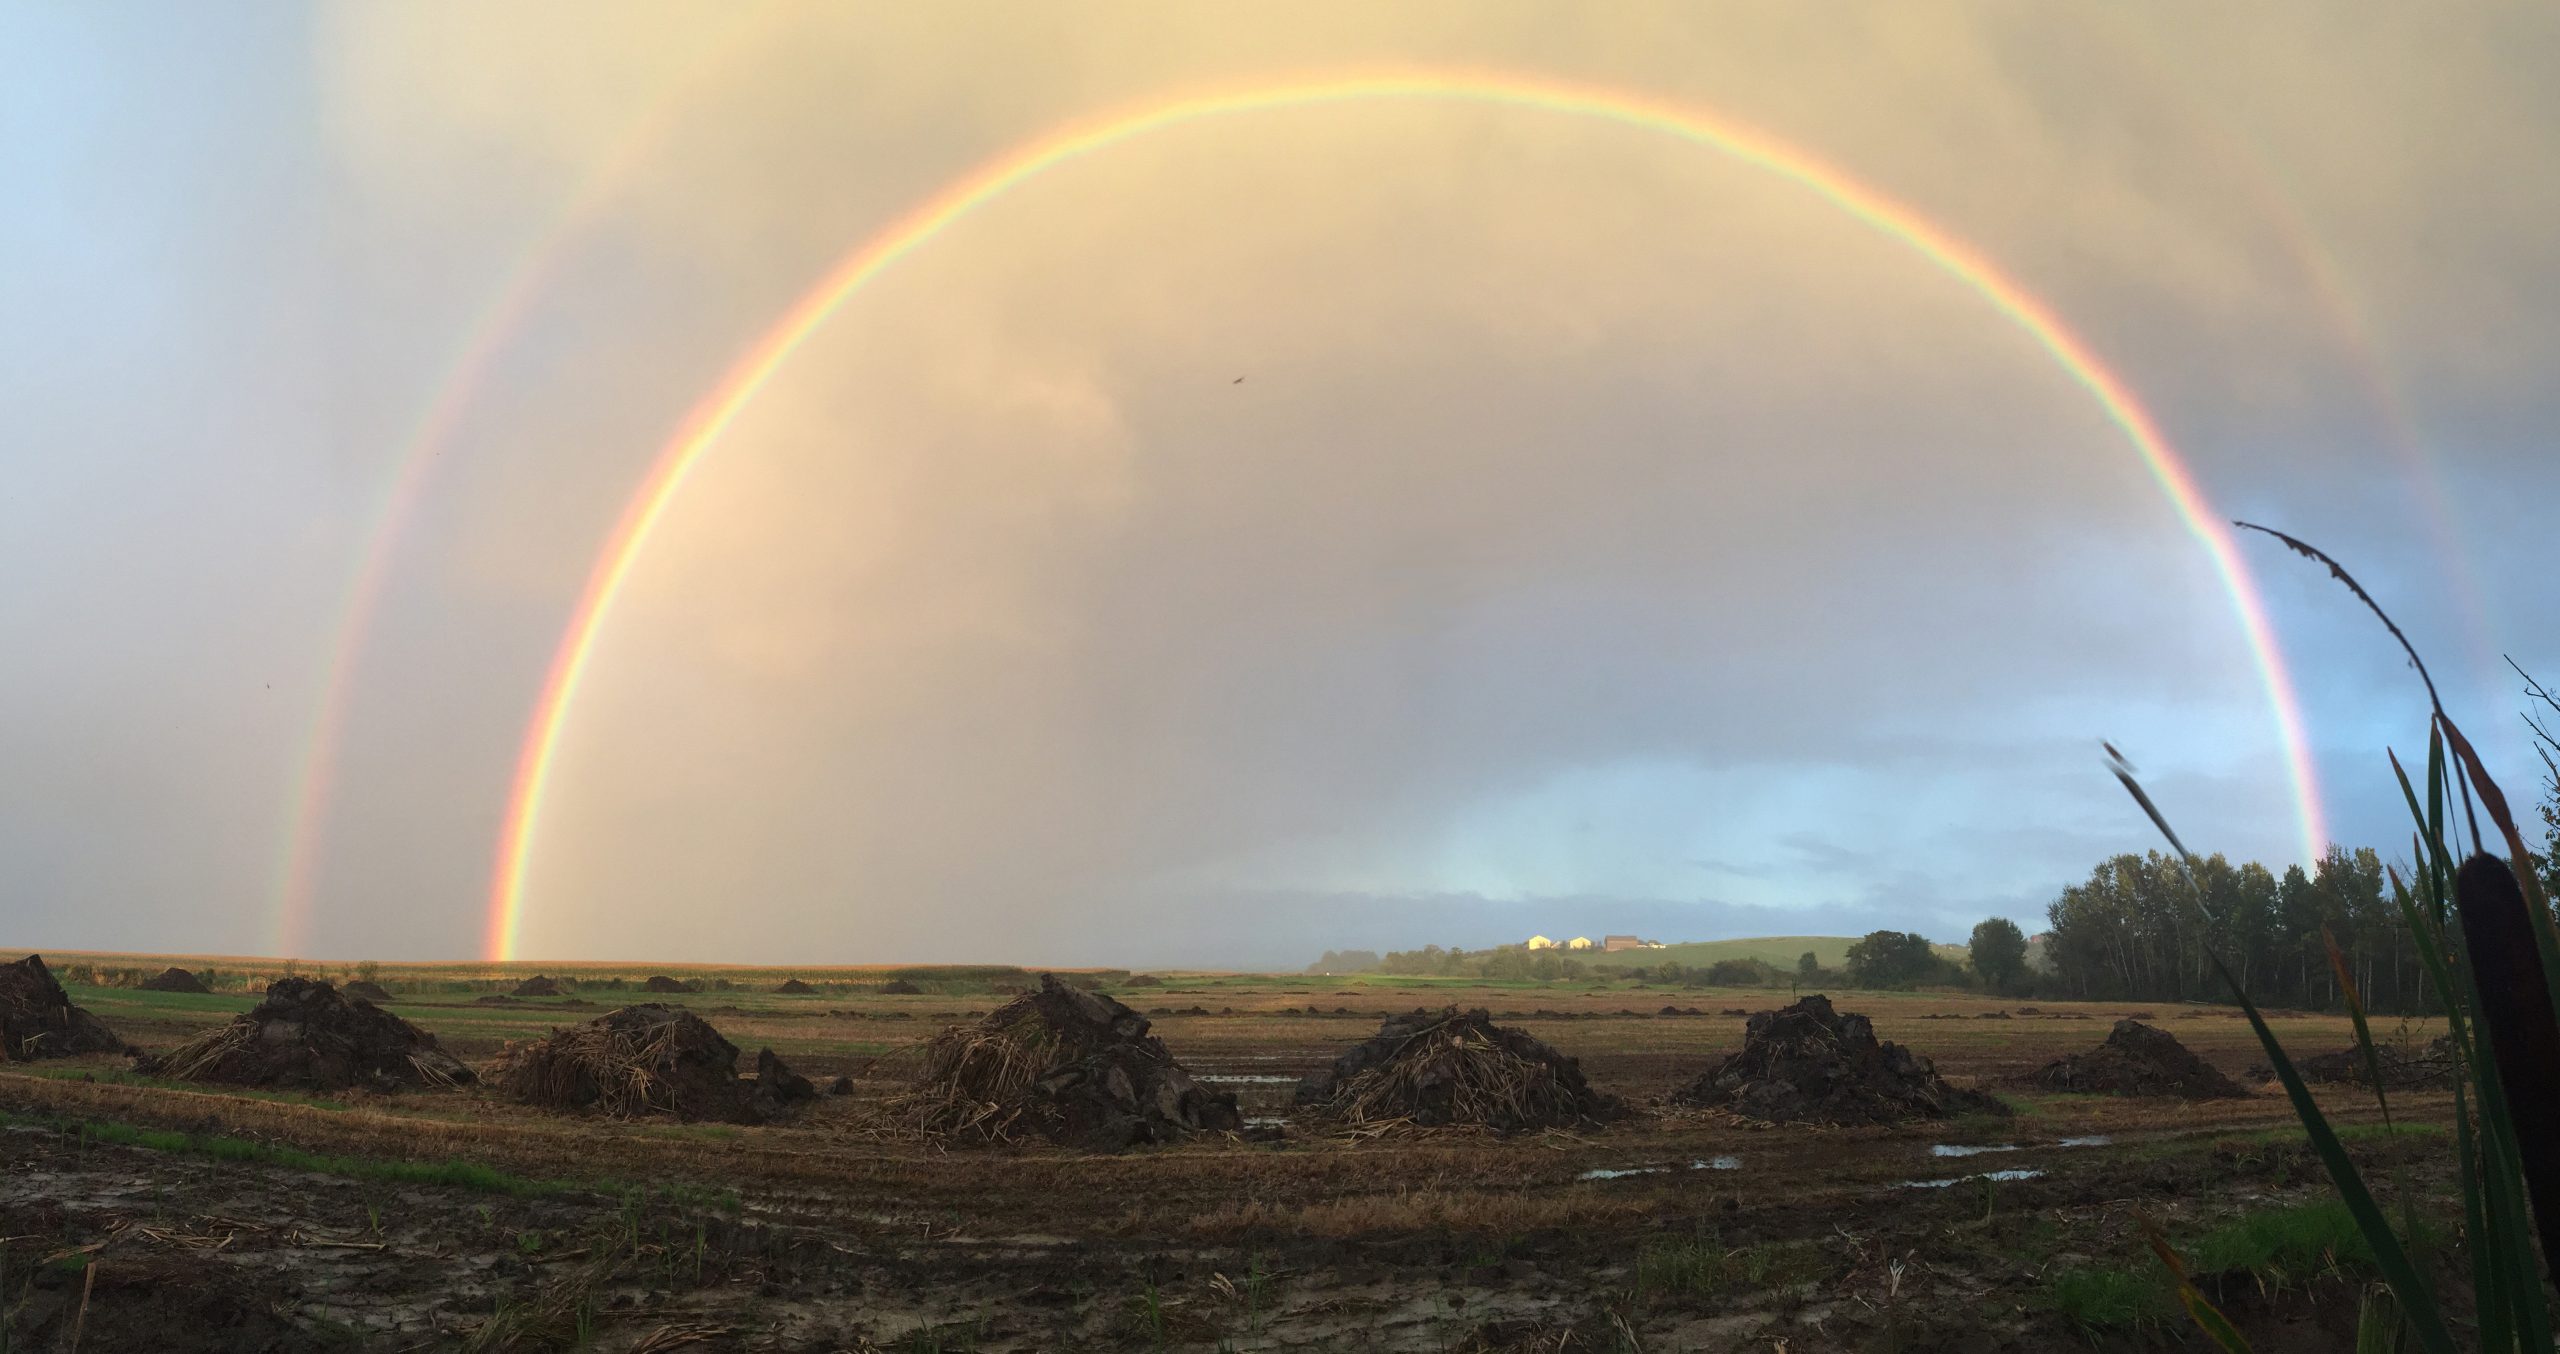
<point>1362,523</point>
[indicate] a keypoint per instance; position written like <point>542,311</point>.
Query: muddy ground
<point>270,1222</point>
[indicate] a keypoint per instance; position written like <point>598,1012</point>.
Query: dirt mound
<point>37,1019</point>
<point>793,987</point>
<point>372,992</point>
<point>1064,1064</point>
<point>2137,1060</point>
<point>541,985</point>
<point>647,1059</point>
<point>2407,1066</point>
<point>174,980</point>
<point>1808,1064</point>
<point>777,1090</point>
<point>1438,1068</point>
<point>307,1034</point>
<point>659,982</point>
<point>900,987</point>
<point>1144,980</point>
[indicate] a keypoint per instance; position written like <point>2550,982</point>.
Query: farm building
<point>1541,943</point>
<point>1579,943</point>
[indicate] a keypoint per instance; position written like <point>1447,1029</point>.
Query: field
<point>132,1208</point>
<point>1778,952</point>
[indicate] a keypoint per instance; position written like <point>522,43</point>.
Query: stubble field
<point>137,1213</point>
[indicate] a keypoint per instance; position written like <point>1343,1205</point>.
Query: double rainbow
<point>713,416</point>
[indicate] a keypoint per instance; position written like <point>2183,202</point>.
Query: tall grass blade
<point>2200,1309</point>
<point>2425,1319</point>
<point>2339,572</point>
<point>2388,1254</point>
<point>2355,1011</point>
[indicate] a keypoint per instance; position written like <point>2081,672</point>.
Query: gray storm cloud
<point>1594,516</point>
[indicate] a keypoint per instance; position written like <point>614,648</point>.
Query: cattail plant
<point>2482,925</point>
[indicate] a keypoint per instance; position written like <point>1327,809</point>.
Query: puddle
<point>1951,1149</point>
<point>1958,1180</point>
<point>1621,1172</point>
<point>1244,1079</point>
<point>1266,1121</point>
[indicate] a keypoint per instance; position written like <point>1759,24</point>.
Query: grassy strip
<point>2274,1246</point>
<point>116,1076</point>
<point>469,1175</point>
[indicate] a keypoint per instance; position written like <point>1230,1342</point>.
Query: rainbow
<point>712,417</point>
<point>485,338</point>
<point>2262,176</point>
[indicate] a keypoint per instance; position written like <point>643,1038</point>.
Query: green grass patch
<point>2270,1246</point>
<point>1703,1266</point>
<point>457,1174</point>
<point>2285,1243</point>
<point>2105,1297</point>
<point>117,1076</point>
<point>469,1175</point>
<point>134,998</point>
<point>2293,1135</point>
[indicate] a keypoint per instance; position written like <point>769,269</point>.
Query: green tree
<point>2547,747</point>
<point>1999,954</point>
<point>1892,959</point>
<point>1809,965</point>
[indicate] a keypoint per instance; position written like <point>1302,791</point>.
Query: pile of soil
<point>793,987</point>
<point>1064,1064</point>
<point>1144,980</point>
<point>540,985</point>
<point>307,1034</point>
<point>2405,1066</point>
<point>174,980</point>
<point>900,987</point>
<point>365,991</point>
<point>647,1059</point>
<point>659,982</point>
<point>37,1019</point>
<point>775,1090</point>
<point>1808,1064</point>
<point>2137,1060</point>
<point>1441,1068</point>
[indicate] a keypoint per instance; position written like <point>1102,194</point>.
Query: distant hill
<point>1778,952</point>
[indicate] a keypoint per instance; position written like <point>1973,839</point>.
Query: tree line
<point>2139,929</point>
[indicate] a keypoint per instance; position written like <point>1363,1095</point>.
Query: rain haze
<point>1401,482</point>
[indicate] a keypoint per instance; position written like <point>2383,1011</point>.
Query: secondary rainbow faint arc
<point>484,339</point>
<point>703,428</point>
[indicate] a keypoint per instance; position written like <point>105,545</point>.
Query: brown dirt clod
<point>37,1019</point>
<point>307,1034</point>
<point>2405,1066</point>
<point>2137,1060</point>
<point>646,1059</point>
<point>1443,1068</point>
<point>793,987</point>
<point>365,991</point>
<point>900,987</point>
<point>1808,1064</point>
<point>659,982</point>
<point>541,985</point>
<point>174,980</point>
<point>1063,1064</point>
